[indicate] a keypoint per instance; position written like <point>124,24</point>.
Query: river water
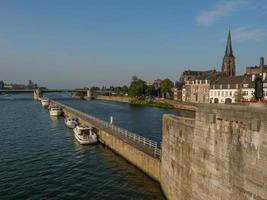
<point>40,158</point>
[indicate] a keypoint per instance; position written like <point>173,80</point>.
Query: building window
<point>223,93</point>
<point>230,94</point>
<point>218,93</point>
<point>226,94</point>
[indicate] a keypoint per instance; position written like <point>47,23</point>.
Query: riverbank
<point>149,102</point>
<point>164,103</point>
<point>123,99</point>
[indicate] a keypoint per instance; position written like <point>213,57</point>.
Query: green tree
<point>253,98</point>
<point>94,88</point>
<point>137,88</point>
<point>239,95</point>
<point>150,91</point>
<point>125,89</point>
<point>166,86</point>
<point>135,78</point>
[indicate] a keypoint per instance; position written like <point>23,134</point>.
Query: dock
<point>140,151</point>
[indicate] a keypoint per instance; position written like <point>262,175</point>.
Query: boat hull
<point>90,140</point>
<point>55,113</point>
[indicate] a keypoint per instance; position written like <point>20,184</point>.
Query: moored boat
<point>45,102</point>
<point>71,122</point>
<point>55,111</point>
<point>85,134</point>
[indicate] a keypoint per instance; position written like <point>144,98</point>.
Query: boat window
<point>85,132</point>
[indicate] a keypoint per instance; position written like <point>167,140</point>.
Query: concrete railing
<point>130,137</point>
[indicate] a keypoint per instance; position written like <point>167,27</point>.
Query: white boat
<point>71,122</point>
<point>85,134</point>
<point>45,103</point>
<point>55,111</point>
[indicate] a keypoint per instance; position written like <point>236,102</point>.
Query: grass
<point>150,102</point>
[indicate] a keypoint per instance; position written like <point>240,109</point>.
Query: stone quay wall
<point>123,99</point>
<point>221,154</point>
<point>142,160</point>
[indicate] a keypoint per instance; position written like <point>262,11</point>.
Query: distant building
<point>189,75</point>
<point>228,64</point>
<point>8,86</point>
<point>197,90</point>
<point>224,89</point>
<point>262,68</point>
<point>2,84</point>
<point>31,85</point>
<point>177,91</point>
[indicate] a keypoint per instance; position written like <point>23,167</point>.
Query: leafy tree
<point>253,98</point>
<point>125,89</point>
<point>117,89</point>
<point>239,95</point>
<point>103,88</point>
<point>135,78</point>
<point>166,86</point>
<point>137,88</point>
<point>150,91</point>
<point>94,88</point>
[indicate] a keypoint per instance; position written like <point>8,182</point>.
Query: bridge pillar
<point>88,95</point>
<point>37,93</point>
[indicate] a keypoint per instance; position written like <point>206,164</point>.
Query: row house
<point>224,89</point>
<point>196,91</point>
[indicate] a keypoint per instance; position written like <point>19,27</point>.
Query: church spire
<point>228,65</point>
<point>229,51</point>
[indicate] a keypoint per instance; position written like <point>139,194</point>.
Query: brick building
<point>262,68</point>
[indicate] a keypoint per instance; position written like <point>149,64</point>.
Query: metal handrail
<point>147,143</point>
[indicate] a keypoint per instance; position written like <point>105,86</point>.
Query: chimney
<point>262,65</point>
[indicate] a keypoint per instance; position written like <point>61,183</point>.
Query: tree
<point>166,86</point>
<point>150,91</point>
<point>117,89</point>
<point>94,88</point>
<point>135,78</point>
<point>125,89</point>
<point>137,88</point>
<point>253,98</point>
<point>239,95</point>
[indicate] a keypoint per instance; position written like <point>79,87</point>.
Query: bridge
<point>38,93</point>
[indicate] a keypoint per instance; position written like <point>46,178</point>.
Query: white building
<point>223,90</point>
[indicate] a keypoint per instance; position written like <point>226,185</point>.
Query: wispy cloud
<point>223,9</point>
<point>243,34</point>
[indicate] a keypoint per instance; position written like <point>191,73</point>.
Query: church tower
<point>228,65</point>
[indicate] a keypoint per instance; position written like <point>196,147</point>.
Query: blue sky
<point>73,43</point>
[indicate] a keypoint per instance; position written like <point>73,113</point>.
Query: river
<point>40,158</point>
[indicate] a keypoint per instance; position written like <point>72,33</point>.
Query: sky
<point>81,43</point>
